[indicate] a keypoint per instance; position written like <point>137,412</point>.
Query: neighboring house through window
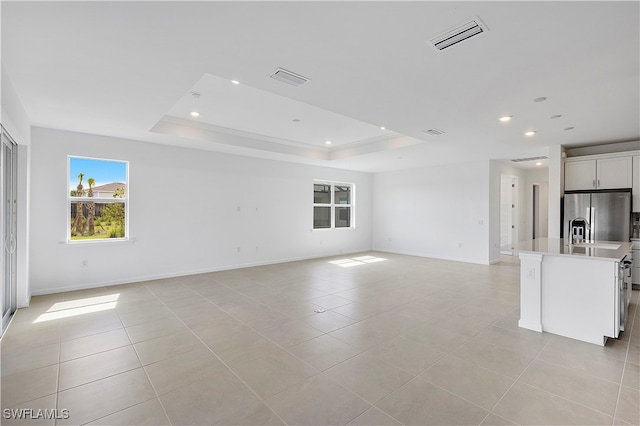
<point>97,194</point>
<point>333,205</point>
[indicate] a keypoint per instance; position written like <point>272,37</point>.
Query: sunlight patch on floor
<point>356,261</point>
<point>77,307</point>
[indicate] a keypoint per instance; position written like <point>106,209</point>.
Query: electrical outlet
<point>237,249</point>
<point>85,263</point>
<point>531,273</point>
<point>459,245</point>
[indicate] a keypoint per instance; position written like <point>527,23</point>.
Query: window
<point>333,205</point>
<point>97,197</point>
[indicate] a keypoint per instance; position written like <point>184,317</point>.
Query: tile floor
<point>403,340</point>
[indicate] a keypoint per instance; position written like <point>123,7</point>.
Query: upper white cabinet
<point>636,188</point>
<point>580,175</point>
<point>602,173</point>
<point>614,173</point>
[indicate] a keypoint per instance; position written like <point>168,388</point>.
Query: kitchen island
<point>573,291</point>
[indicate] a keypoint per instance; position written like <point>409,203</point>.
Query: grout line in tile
<point>225,364</point>
<point>513,384</point>
<point>418,378</point>
<point>454,394</point>
<point>587,372</point>
<point>155,391</point>
<point>134,405</point>
<point>58,390</point>
<point>624,366</point>
<point>567,399</point>
<point>56,398</point>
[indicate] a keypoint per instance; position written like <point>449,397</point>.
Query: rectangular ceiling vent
<point>520,160</point>
<point>433,132</point>
<point>288,77</point>
<point>458,34</point>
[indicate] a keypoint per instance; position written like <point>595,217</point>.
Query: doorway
<point>8,224</point>
<point>508,210</point>
<point>540,210</point>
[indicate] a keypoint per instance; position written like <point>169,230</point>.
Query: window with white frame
<point>97,199</point>
<point>333,205</point>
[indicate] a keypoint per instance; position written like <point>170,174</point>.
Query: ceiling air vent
<point>520,160</point>
<point>433,132</point>
<point>458,34</point>
<point>288,77</point>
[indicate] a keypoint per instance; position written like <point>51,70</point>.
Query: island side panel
<point>530,291</point>
<point>579,298</point>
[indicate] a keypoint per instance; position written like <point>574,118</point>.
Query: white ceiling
<point>127,69</point>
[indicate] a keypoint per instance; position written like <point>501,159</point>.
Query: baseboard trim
<point>143,278</point>
<point>431,256</point>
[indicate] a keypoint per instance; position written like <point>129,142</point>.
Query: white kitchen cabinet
<point>636,183</point>
<point>604,173</point>
<point>614,173</point>
<point>580,175</point>
<point>571,291</point>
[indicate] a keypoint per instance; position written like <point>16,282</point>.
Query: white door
<point>8,222</point>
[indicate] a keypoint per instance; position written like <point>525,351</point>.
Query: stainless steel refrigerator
<point>608,214</point>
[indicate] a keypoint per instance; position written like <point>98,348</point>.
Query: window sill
<point>332,229</point>
<point>105,242</point>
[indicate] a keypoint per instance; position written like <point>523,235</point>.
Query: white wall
<point>183,213</point>
<point>432,211</point>
<point>539,177</point>
<point>556,189</point>
<point>15,120</point>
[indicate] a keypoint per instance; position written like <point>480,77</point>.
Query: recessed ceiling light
<point>328,142</point>
<point>195,114</point>
<point>506,118</point>
<point>569,128</point>
<point>382,128</point>
<point>538,164</point>
<point>553,117</point>
<point>530,133</point>
<point>540,99</point>
<point>235,81</point>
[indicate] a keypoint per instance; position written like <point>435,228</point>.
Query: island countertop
<point>558,247</point>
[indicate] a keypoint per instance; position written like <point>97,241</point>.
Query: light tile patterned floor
<point>403,340</point>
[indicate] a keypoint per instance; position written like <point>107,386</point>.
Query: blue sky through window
<point>103,171</point>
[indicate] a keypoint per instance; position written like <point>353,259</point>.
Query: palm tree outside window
<point>99,212</point>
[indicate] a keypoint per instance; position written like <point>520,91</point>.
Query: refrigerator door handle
<point>592,223</point>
